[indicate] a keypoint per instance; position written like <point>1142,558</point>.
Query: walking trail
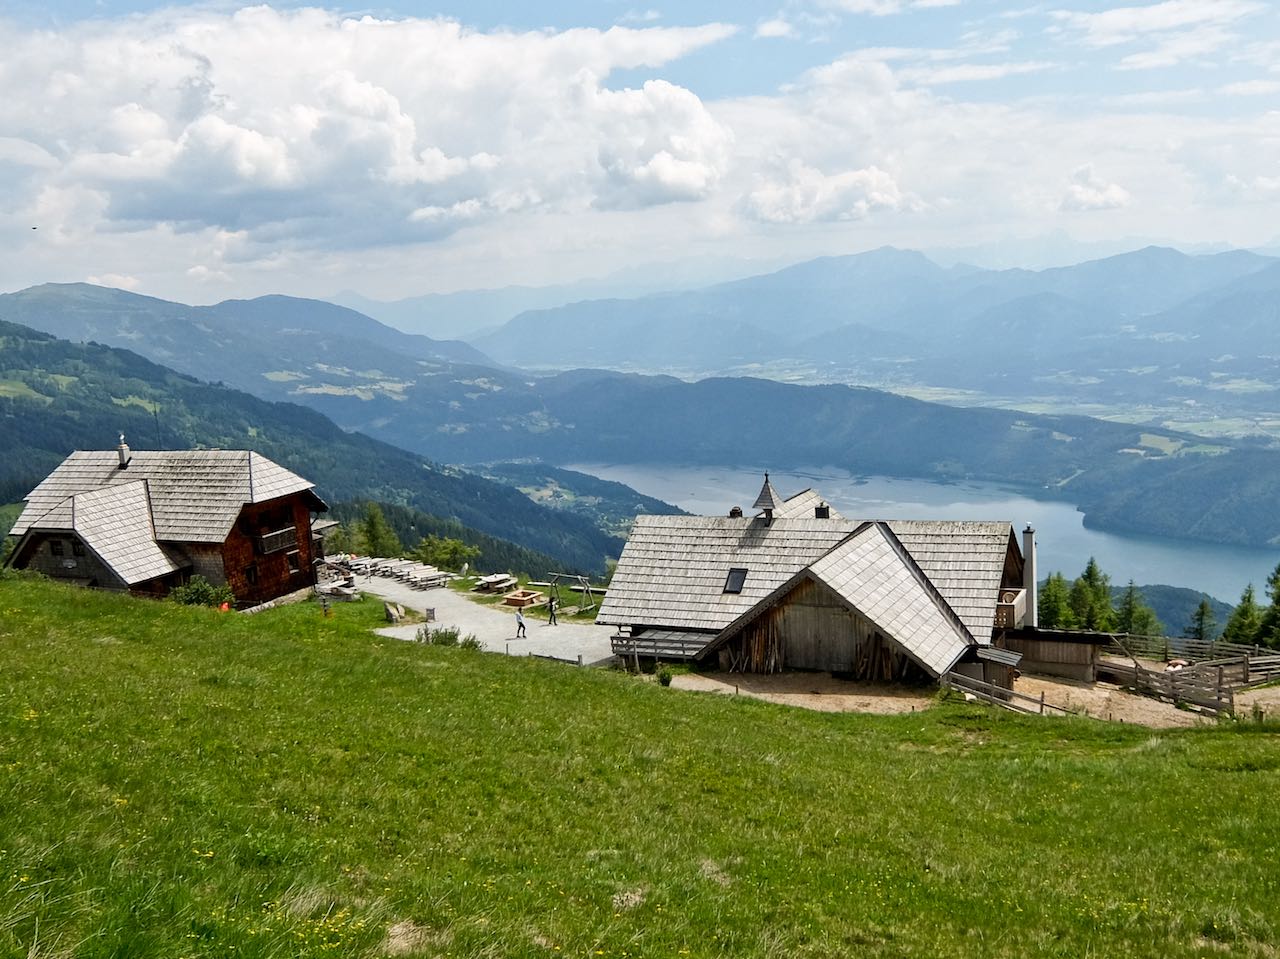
<point>495,627</point>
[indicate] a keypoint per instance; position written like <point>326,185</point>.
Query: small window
<point>295,563</point>
<point>77,548</point>
<point>56,547</point>
<point>737,576</point>
<point>251,574</point>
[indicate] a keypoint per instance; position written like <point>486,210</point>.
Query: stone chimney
<point>735,512</point>
<point>1029,575</point>
<point>122,451</point>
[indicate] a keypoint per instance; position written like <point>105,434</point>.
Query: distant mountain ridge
<point>57,396</point>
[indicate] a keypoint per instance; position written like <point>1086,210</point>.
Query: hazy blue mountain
<point>273,345</point>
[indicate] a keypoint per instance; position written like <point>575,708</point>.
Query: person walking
<point>520,633</point>
<point>551,611</point>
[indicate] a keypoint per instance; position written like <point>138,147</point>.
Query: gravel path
<point>495,628</point>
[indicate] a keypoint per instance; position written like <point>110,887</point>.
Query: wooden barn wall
<point>272,574</point>
<point>812,629</point>
<point>87,570</point>
<point>1054,658</point>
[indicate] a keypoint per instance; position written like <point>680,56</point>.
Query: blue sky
<point>205,151</point>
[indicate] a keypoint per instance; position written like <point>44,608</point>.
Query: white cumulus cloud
<point>1088,191</point>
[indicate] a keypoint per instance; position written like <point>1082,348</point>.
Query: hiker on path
<point>520,633</point>
<point>551,612</point>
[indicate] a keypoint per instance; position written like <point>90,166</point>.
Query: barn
<point>145,521</point>
<point>797,586</point>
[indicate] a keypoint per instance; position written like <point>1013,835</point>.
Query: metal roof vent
<point>122,451</point>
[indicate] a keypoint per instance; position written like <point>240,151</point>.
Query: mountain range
<point>57,396</point>
<point>452,404</point>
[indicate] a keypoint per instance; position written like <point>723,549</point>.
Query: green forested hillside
<point>56,397</point>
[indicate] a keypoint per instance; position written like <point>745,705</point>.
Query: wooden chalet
<point>146,521</point>
<point>798,586</point>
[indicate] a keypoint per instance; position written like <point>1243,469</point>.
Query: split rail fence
<point>1000,695</point>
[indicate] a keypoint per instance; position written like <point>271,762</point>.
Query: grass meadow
<point>182,782</point>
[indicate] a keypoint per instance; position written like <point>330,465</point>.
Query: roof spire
<point>768,500</point>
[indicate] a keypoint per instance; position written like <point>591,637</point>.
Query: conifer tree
<point>1135,617</point>
<point>1269,628</point>
<point>1245,621</point>
<point>1053,608</point>
<point>1091,599</point>
<point>1203,625</point>
<point>380,538</point>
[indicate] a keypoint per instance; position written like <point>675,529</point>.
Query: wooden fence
<point>1209,686</point>
<point>1000,695</point>
<point>1164,648</point>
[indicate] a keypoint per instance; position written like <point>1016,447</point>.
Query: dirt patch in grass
<point>819,691</point>
<point>1106,701</point>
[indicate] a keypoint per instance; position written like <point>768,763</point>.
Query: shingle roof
<point>115,522</point>
<point>803,504</point>
<point>965,560</point>
<point>768,498</point>
<point>672,571</point>
<point>196,495</point>
<point>875,575</point>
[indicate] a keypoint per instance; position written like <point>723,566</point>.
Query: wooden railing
<point>1208,686</point>
<point>281,539</point>
<point>668,648</point>
<point>1165,648</point>
<point>1000,695</point>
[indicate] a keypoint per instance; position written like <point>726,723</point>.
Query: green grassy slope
<point>180,782</point>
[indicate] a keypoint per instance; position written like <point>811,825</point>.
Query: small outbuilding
<point>146,521</point>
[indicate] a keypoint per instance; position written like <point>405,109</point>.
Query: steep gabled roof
<point>768,498</point>
<point>874,574</point>
<point>803,504</point>
<point>673,569</point>
<point>965,560</point>
<point>195,495</point>
<point>115,523</point>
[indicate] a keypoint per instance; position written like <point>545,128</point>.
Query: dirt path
<point>824,693</point>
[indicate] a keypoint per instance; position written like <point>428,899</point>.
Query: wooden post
<point>1042,702</point>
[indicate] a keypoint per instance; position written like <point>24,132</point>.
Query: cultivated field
<point>179,782</point>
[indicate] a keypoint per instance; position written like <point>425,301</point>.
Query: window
<point>295,563</point>
<point>251,574</point>
<point>733,583</point>
<point>77,548</point>
<point>56,547</point>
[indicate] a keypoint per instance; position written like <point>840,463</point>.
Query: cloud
<point>118,280</point>
<point>1250,88</point>
<point>803,194</point>
<point>777,27</point>
<point>1087,192</point>
<point>969,72</point>
<point>884,8</point>
<point>1127,24</point>
<point>346,131</point>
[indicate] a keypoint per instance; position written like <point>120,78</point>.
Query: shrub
<point>446,636</point>
<point>664,676</point>
<point>198,591</point>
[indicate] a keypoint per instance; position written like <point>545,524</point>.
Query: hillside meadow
<point>182,782</point>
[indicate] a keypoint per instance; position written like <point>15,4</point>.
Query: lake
<point>1063,542</point>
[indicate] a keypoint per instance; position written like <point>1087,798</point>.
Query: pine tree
<point>1053,608</point>
<point>1135,617</point>
<point>1091,599</point>
<point>380,538</point>
<point>1245,621</point>
<point>1203,625</point>
<point>1269,628</point>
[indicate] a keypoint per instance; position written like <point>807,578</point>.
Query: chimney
<point>122,451</point>
<point>822,511</point>
<point>735,512</point>
<point>1029,575</point>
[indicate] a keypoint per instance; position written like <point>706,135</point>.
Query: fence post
<point>1042,702</point>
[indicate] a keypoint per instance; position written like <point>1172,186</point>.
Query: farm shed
<point>146,521</point>
<point>798,586</point>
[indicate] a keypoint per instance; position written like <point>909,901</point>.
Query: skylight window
<point>737,576</point>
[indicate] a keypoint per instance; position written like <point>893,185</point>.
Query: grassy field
<point>181,782</point>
